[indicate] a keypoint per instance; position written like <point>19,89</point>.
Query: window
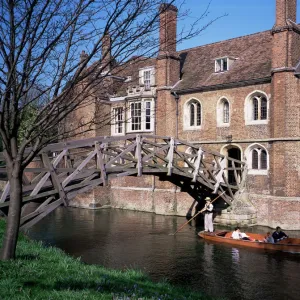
<point>192,114</point>
<point>259,107</point>
<point>118,123</point>
<point>147,80</point>
<point>136,115</point>
<point>257,159</point>
<point>223,112</point>
<point>221,64</point>
<point>141,115</point>
<point>256,109</point>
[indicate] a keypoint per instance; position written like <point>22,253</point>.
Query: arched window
<point>257,160</point>
<point>256,108</point>
<point>254,159</point>
<point>223,112</point>
<point>263,160</point>
<point>226,112</point>
<point>192,114</point>
<point>263,108</point>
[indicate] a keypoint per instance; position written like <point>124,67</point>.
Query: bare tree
<point>40,42</point>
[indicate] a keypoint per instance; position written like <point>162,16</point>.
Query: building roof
<point>252,54</point>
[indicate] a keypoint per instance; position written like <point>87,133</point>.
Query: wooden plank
<point>197,164</point>
<point>39,210</point>
<point>79,168</point>
<point>220,175</point>
<point>138,154</point>
<point>170,157</point>
<point>49,209</point>
<point>129,148</point>
<point>55,162</point>
<point>100,163</point>
<point>55,180</point>
<point>5,192</point>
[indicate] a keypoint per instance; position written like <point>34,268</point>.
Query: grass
<point>40,272</point>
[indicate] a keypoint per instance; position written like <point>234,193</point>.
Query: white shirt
<point>209,207</point>
<point>236,235</point>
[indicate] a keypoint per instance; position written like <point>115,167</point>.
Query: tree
<point>40,41</point>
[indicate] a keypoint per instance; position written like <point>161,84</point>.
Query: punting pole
<point>199,212</point>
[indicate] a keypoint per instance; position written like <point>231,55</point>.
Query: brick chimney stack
<point>83,57</point>
<point>285,10</point>
<point>167,29</point>
<point>106,52</point>
<point>167,71</point>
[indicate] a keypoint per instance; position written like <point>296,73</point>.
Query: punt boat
<point>257,241</point>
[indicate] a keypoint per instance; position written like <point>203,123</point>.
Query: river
<point>123,239</point>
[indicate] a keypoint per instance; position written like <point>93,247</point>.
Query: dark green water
<point>126,239</point>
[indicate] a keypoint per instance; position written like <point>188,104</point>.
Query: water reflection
<point>126,239</point>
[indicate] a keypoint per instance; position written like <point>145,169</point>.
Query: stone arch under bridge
<point>63,170</point>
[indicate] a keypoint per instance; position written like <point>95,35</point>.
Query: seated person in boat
<point>268,238</point>
<point>238,235</point>
<point>279,235</point>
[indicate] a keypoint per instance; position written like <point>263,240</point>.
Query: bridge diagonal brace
<point>79,168</point>
<point>55,179</point>
<point>100,163</point>
<point>5,192</point>
<point>43,180</point>
<point>197,164</point>
<point>170,157</point>
<point>125,151</point>
<point>219,176</point>
<point>138,155</point>
<point>45,212</point>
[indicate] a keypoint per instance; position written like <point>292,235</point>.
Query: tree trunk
<point>13,220</point>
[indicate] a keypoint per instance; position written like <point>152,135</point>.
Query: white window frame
<point>220,112</point>
<point>147,80</point>
<point>186,115</point>
<point>249,108</point>
<point>219,64</point>
<point>144,80</point>
<point>116,122</point>
<point>248,154</point>
<point>144,112</point>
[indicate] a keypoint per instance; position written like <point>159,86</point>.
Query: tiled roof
<point>253,61</point>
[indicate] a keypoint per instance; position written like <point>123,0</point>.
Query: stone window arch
<point>257,159</point>
<point>223,112</point>
<point>256,108</point>
<point>192,114</point>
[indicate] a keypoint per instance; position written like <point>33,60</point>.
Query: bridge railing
<point>63,170</point>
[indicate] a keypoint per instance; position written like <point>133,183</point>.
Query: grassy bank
<point>48,273</point>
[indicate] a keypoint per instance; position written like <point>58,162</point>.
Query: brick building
<point>240,97</point>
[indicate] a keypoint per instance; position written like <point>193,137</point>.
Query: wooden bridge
<point>61,171</point>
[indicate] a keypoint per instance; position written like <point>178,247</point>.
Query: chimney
<point>106,52</point>
<point>285,10</point>
<point>167,29</point>
<point>83,57</point>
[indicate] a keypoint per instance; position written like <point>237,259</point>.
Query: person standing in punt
<point>208,217</point>
<point>278,235</point>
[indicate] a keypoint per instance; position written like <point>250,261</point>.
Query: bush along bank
<point>40,272</point>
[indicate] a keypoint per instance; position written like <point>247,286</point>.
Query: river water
<point>128,239</point>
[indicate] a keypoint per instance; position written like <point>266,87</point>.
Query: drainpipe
<point>176,97</point>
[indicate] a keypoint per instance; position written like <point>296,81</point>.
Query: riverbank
<point>48,273</point>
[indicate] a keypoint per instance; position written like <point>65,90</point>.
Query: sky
<point>243,17</point>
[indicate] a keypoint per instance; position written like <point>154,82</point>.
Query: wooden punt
<point>286,245</point>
